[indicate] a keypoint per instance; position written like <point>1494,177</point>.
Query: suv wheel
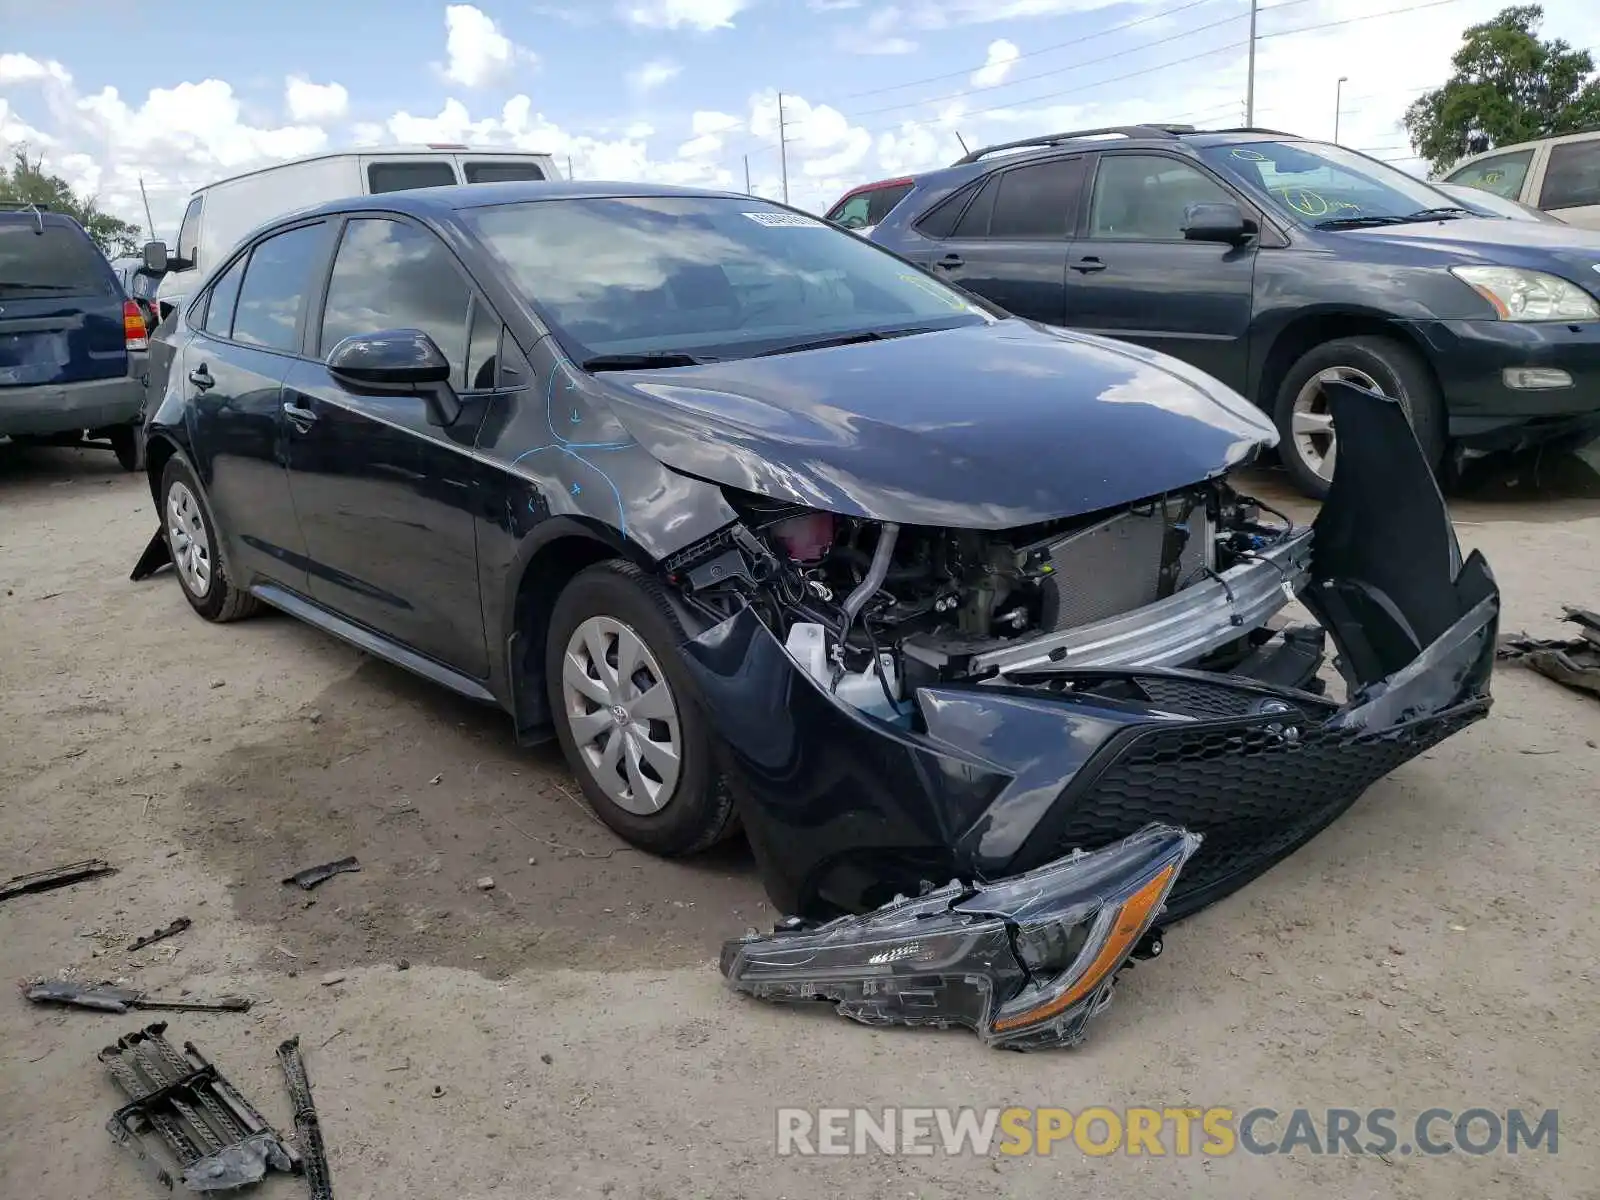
<point>125,445</point>
<point>1307,442</point>
<point>623,714</point>
<point>196,550</point>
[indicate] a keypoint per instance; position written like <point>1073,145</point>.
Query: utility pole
<point>783,149</point>
<point>148,219</point>
<point>569,166</point>
<point>1250,85</point>
<point>1338,105</point>
<point>747,190</point>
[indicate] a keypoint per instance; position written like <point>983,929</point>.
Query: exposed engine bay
<point>874,610</point>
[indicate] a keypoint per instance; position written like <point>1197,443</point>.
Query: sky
<point>687,91</point>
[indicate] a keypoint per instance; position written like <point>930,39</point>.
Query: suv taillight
<point>133,330</point>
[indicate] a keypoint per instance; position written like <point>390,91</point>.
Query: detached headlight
<point>1522,295</point>
<point>1024,962</point>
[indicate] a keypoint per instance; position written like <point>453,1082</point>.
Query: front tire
<point>197,550</point>
<point>624,715</point>
<point>1307,443</point>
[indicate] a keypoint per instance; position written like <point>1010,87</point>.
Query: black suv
<point>1276,264</point>
<point>72,345</point>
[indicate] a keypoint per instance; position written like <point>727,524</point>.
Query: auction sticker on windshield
<point>784,219</point>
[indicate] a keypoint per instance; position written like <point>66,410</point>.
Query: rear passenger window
<point>974,222</point>
<point>224,295</point>
<point>1037,201</point>
<point>1572,180</point>
<point>501,172</point>
<point>398,177</point>
<point>393,275</point>
<point>273,293</point>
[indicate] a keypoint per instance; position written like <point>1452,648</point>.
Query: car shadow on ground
<point>27,468</point>
<point>435,798</point>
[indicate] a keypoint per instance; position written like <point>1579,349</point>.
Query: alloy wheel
<point>186,534</point>
<point>1314,439</point>
<point>622,714</point>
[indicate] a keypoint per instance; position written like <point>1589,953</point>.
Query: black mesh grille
<point>1197,698</point>
<point>1254,790</point>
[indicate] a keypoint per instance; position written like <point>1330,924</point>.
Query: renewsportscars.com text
<point>1211,1132</point>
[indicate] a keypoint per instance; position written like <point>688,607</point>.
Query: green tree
<point>1508,86</point>
<point>27,183</point>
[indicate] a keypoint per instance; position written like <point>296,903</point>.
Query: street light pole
<point>783,150</point>
<point>1338,106</point>
<point>1250,83</point>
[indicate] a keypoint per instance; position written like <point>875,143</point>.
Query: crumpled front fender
<point>993,779</point>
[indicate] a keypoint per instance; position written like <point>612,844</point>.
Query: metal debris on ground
<point>164,932</point>
<point>311,876</point>
<point>1574,662</point>
<point>55,877</point>
<point>307,1128</point>
<point>211,1138</point>
<point>107,997</point>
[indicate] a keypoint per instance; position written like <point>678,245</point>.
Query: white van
<point>221,213</point>
<point>1560,175</point>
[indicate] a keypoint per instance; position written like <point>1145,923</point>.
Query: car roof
<point>1147,137</point>
<point>436,201</point>
<point>407,150</point>
<point>16,215</point>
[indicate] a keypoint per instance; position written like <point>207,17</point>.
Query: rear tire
<point>1305,431</point>
<point>125,445</point>
<point>197,550</point>
<point>644,765</point>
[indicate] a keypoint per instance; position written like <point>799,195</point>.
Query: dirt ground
<point>1436,947</point>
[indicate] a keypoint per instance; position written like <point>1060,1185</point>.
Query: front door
<point>1132,275</point>
<point>387,500</point>
<point>1010,245</point>
<point>232,370</point>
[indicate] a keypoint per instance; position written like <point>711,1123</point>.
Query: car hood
<point>984,427</point>
<point>1537,244</point>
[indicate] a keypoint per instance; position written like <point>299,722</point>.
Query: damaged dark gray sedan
<point>770,528</point>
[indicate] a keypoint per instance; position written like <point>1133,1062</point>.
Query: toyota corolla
<point>770,528</point>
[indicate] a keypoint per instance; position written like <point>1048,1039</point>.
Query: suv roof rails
<point>1164,132</point>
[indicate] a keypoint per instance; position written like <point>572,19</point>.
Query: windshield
<point>711,277</point>
<point>1315,182</point>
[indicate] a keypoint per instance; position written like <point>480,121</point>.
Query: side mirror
<point>1215,222</point>
<point>155,258</point>
<point>397,362</point>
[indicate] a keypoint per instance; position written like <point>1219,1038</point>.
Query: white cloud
<point>653,74</point>
<point>709,129</point>
<point>702,15</point>
<point>997,64</point>
<point>314,102</point>
<point>878,35</point>
<point>19,68</point>
<point>477,51</point>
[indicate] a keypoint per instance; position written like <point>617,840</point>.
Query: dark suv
<point>1276,264</point>
<point>72,345</point>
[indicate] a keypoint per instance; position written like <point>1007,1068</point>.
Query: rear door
<point>1132,274</point>
<point>386,499</point>
<point>1010,245</point>
<point>60,305</point>
<point>249,333</point>
<point>1570,188</point>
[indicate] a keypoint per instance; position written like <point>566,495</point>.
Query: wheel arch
<point>1308,330</point>
<point>547,564</point>
<point>159,450</point>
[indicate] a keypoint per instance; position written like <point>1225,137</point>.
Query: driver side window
<point>1140,197</point>
<point>1502,175</point>
<point>393,275</point>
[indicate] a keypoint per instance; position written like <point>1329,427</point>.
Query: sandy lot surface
<point>1436,947</point>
